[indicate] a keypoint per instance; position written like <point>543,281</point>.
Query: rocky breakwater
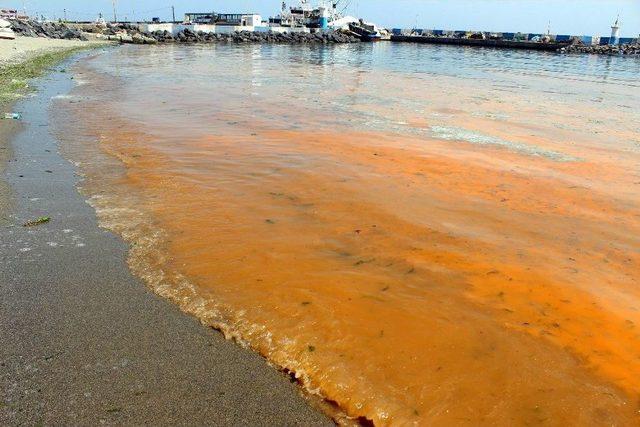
<point>188,36</point>
<point>626,49</point>
<point>50,30</point>
<point>131,34</point>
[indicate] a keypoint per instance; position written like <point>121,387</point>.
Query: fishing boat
<point>314,16</point>
<point>305,15</point>
<point>366,31</point>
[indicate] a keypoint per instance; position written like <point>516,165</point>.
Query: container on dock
<point>438,32</point>
<point>563,38</point>
<point>459,34</point>
<point>534,37</point>
<point>588,40</point>
<point>508,36</point>
<point>396,31</point>
<point>604,41</point>
<point>626,40</point>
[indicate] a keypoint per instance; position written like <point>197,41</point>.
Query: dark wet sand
<point>83,342</point>
<point>7,130</point>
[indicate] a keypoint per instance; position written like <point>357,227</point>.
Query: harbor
<point>307,22</point>
<point>482,42</point>
<point>319,213</point>
<point>545,42</point>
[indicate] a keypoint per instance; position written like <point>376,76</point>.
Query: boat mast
<point>115,15</point>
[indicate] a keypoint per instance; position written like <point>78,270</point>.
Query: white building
<point>234,19</point>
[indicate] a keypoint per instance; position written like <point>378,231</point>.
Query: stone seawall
<point>131,33</point>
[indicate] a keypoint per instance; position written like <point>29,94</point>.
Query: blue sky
<point>574,17</point>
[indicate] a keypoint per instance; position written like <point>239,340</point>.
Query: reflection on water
<point>422,234</point>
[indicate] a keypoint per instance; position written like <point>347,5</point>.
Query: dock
<point>502,44</point>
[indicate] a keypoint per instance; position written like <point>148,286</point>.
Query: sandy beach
<point>24,48</point>
<point>82,341</point>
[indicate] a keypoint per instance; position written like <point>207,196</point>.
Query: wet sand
<point>16,52</point>
<point>82,341</point>
<point>7,130</point>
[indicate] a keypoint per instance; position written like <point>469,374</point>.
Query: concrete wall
<point>205,28</point>
<point>217,29</point>
<point>230,29</point>
<point>172,28</point>
<point>253,20</point>
<point>289,30</point>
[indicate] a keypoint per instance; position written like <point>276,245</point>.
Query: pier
<point>503,44</point>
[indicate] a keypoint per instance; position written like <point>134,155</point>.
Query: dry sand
<point>24,48</point>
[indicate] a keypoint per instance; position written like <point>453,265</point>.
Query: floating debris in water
<point>39,221</point>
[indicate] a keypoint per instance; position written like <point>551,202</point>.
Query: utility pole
<point>115,15</point>
<point>65,15</point>
<point>173,12</point>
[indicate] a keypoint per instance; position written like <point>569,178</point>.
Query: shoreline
<point>172,32</point>
<point>47,272</point>
<point>22,60</point>
<point>96,345</point>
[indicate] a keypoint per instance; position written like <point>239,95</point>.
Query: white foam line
<point>459,134</point>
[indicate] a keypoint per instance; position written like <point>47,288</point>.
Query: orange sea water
<point>422,235</point>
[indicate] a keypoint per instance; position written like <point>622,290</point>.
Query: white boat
<point>307,15</point>
<point>6,32</point>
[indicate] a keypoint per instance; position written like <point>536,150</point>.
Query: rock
<point>128,33</point>
<point>602,50</point>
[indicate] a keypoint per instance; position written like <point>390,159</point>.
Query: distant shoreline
<point>170,33</point>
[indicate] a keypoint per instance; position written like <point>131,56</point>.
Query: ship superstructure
<point>308,14</point>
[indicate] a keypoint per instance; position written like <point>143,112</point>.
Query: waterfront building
<point>235,19</point>
<point>12,14</point>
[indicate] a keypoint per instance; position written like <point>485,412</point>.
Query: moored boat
<point>366,32</point>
